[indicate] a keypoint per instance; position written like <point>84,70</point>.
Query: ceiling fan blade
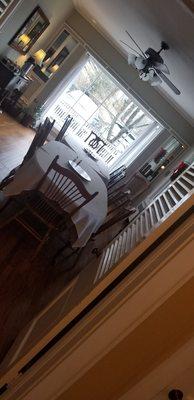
<point>168,82</point>
<point>135,43</point>
<point>131,48</point>
<point>162,68</point>
<point>131,59</point>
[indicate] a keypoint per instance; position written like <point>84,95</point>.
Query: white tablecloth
<point>90,217</point>
<point>78,145</point>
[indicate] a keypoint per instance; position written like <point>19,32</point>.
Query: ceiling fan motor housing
<point>153,56</point>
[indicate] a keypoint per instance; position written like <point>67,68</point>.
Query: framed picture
<point>30,31</point>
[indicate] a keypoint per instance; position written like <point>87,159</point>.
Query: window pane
<point>101,88</point>
<point>101,121</point>
<point>85,107</point>
<point>86,77</point>
<point>117,102</point>
<point>71,97</point>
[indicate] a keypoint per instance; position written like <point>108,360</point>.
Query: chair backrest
<point>137,185</point>
<point>40,137</point>
<point>65,188</point>
<point>115,218</point>
<point>117,171</point>
<point>95,141</point>
<point>119,199</point>
<point>117,176</point>
<point>64,128</point>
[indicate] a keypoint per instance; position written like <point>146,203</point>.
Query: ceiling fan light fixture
<point>151,74</point>
<point>155,80</point>
<point>131,59</point>
<point>150,65</point>
<point>140,62</point>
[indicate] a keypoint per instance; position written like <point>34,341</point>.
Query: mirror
<point>56,53</point>
<point>57,44</point>
<point>30,31</point>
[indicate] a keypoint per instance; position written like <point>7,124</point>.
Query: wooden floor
<point>25,286</point>
<point>14,142</point>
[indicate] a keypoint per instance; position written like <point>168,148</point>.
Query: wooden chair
<point>8,178</point>
<point>65,194</point>
<point>64,128</point>
<point>117,171</point>
<point>40,137</point>
<point>118,200</point>
<point>121,216</point>
<point>116,176</point>
<point>3,96</point>
<point>95,141</point>
<point>137,185</point>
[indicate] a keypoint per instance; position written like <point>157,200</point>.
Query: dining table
<point>90,217</point>
<point>82,149</point>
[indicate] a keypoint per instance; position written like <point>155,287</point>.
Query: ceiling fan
<point>150,64</point>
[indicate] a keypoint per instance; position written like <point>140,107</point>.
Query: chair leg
<point>60,251</point>
<point>9,178</point>
<point>43,241</point>
<point>9,219</point>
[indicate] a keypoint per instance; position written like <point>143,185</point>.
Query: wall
<point>56,11</point>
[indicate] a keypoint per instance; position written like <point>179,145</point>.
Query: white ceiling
<point>149,22</point>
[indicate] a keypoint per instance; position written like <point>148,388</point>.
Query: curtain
<point>63,78</point>
<point>138,147</point>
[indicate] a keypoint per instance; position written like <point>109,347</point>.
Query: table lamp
<point>24,39</point>
<point>54,68</point>
<point>39,56</point>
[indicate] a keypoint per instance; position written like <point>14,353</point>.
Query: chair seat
<point>64,192</point>
<point>44,209</point>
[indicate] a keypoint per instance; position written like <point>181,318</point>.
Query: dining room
<point>54,206</point>
<point>75,173</point>
<point>62,197</point>
<point>60,207</point>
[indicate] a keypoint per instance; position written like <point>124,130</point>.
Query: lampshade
<point>24,39</point>
<point>131,59</point>
<point>155,80</point>
<point>21,60</point>
<point>39,56</point>
<point>140,62</point>
<point>54,68</point>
